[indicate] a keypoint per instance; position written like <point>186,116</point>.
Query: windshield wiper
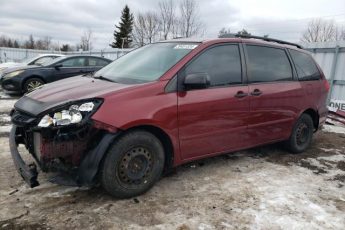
<point>103,78</point>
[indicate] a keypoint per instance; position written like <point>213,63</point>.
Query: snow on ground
<point>5,129</point>
<point>4,95</point>
<point>261,188</point>
<point>333,129</point>
<point>5,118</point>
<point>6,105</point>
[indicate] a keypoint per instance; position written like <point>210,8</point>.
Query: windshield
<point>146,64</point>
<point>50,62</point>
<point>28,60</point>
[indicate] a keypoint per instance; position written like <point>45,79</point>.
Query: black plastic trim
<point>90,164</point>
<point>28,172</point>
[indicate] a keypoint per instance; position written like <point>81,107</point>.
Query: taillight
<point>327,87</point>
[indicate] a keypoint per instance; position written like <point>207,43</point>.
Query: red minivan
<point>166,104</point>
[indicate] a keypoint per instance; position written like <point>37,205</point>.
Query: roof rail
<point>262,38</point>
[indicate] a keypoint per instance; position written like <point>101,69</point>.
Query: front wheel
<point>301,135</point>
<point>132,164</point>
<point>32,84</point>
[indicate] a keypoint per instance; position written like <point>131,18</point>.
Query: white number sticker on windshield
<point>185,47</point>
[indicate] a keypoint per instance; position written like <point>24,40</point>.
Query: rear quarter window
<point>97,62</point>
<point>305,66</point>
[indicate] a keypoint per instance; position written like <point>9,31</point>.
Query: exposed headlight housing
<point>72,114</point>
<point>13,74</point>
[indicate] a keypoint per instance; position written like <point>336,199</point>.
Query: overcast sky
<point>65,20</point>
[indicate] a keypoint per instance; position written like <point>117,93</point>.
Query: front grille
<point>22,119</point>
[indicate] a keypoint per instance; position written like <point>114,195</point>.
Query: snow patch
<point>5,118</point>
<point>6,105</point>
<point>333,129</point>
<point>5,129</point>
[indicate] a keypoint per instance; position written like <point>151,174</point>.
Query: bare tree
<point>146,28</point>
<point>46,42</point>
<point>86,40</point>
<point>340,33</point>
<point>190,25</point>
<point>30,43</point>
<point>320,30</point>
<point>152,26</point>
<point>176,28</point>
<point>166,16</point>
<point>139,32</point>
<point>224,31</point>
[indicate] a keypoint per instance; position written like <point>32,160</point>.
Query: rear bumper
<point>27,172</point>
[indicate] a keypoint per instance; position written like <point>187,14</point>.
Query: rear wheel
<point>132,164</point>
<point>301,135</point>
<point>32,84</point>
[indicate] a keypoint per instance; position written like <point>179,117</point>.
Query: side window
<point>101,62</point>
<point>268,64</point>
<point>74,62</point>
<point>305,66</point>
<point>93,62</point>
<point>221,63</point>
<point>42,60</point>
<point>97,62</point>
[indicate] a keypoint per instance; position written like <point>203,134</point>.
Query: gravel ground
<point>261,188</point>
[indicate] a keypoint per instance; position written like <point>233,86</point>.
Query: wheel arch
<point>164,138</point>
<point>31,77</point>
<point>314,115</point>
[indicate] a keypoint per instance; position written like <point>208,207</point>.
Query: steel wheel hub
<point>135,166</point>
<point>302,134</point>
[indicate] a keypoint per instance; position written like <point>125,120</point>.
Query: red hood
<point>75,88</point>
<point>65,91</point>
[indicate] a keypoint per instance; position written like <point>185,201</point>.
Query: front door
<point>213,120</point>
<point>71,67</point>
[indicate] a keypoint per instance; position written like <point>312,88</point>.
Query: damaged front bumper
<point>27,172</point>
<point>77,156</point>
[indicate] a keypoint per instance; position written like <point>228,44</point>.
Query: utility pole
<point>123,41</point>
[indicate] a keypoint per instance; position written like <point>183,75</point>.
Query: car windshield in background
<point>27,60</point>
<point>147,63</point>
<point>48,63</point>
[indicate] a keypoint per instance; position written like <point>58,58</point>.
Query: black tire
<point>132,165</point>
<point>301,135</point>
<point>32,84</point>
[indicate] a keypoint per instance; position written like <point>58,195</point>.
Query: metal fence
<point>17,55</point>
<point>331,58</point>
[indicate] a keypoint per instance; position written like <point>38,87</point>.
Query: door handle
<point>256,92</point>
<point>241,94</point>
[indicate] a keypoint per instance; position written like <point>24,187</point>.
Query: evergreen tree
<point>10,43</point>
<point>15,44</point>
<point>123,31</point>
<point>65,48</point>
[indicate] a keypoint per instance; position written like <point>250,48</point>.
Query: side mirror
<point>197,81</point>
<point>58,66</point>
